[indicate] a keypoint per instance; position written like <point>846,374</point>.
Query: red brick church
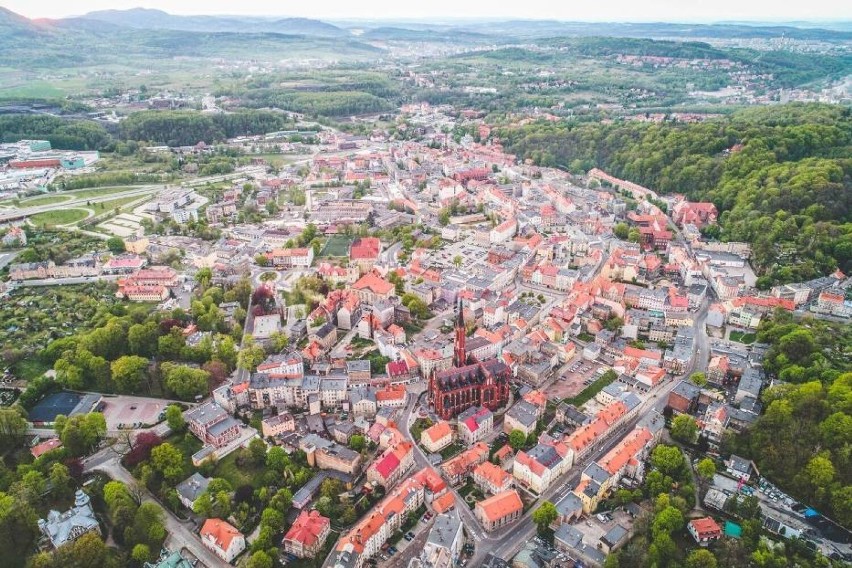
<point>470,382</point>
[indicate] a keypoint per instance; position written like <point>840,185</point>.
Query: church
<point>470,382</point>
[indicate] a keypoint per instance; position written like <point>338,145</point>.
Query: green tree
<point>544,516</point>
<point>18,527</point>
<point>273,519</point>
<point>621,230</point>
<point>684,429</point>
<point>517,439</point>
<point>259,559</point>
<point>174,418</point>
<point>251,355</point>
<point>13,426</point>
<point>115,245</point>
<point>257,450</point>
<point>699,379</point>
<point>128,372</point>
<point>80,433</point>
<point>141,553</point>
<point>705,469</point>
<point>185,382</point>
<point>142,339</point>
<point>168,460</point>
<point>668,459</point>
<point>357,442</point>
<point>701,558</point>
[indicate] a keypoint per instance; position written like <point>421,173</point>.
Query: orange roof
<point>465,461</point>
<point>221,532</point>
<point>493,474</point>
<point>430,479</point>
<point>444,503</point>
<point>536,397</point>
<point>438,431</point>
<point>501,505</point>
<point>628,448</point>
<point>307,527</point>
<point>373,283</point>
<point>705,526</point>
<point>503,452</point>
<point>391,393</point>
<point>45,447</point>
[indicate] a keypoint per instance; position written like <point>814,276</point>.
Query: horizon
<point>655,11</point>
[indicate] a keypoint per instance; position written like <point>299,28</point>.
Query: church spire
<point>459,354</point>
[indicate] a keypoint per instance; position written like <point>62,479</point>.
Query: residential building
<point>307,534</point>
<point>326,454</point>
<point>474,424</point>
<point>64,528</point>
<point>492,478</point>
<point>462,465</point>
<point>190,489</point>
<point>277,425</point>
<point>212,424</point>
<point>437,437</point>
<point>445,541</point>
<point>223,539</point>
<point>538,468</point>
<point>704,530</point>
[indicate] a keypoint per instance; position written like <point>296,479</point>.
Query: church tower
<point>459,355</point>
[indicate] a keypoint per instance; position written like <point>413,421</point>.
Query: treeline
<point>104,179</point>
<point>336,103</point>
<point>187,128</point>
<point>62,133</point>
<point>803,441</point>
<point>782,176</point>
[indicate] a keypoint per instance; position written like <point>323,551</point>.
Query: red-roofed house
<point>704,530</point>
<point>437,437</point>
<point>372,287</point>
<point>499,510</point>
<point>392,465</point>
<point>492,478</point>
<point>307,535</point>
<point>224,540</point>
<point>46,446</point>
<point>364,252</point>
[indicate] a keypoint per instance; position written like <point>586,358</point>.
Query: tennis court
<point>51,406</point>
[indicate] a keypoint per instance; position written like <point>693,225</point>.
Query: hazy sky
<point>584,10</point>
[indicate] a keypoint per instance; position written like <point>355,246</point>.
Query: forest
<point>803,441</point>
<point>781,176</point>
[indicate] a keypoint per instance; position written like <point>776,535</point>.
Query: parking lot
<point>579,375</point>
<point>596,526</point>
<point>132,411</point>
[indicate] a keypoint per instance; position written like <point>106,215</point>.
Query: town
<point>454,341</point>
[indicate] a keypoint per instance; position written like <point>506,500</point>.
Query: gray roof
<point>597,473</point>
<point>222,426</point>
<point>192,487</point>
<point>445,529</point>
<point>569,504</point>
<point>524,412</point>
<point>358,365</point>
<point>206,413</point>
<point>333,384</point>
<point>615,536</point>
<point>62,528</point>
<point>573,540</point>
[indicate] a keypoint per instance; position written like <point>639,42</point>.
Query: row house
<point>459,467</point>
<point>538,468</point>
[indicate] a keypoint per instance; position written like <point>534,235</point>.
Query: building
<point>64,528</point>
<point>372,287</point>
<point>437,437</point>
<point>276,425</point>
<point>364,252</point>
<point>388,469</point>
<point>492,478</point>
<point>738,467</point>
<point>462,465</point>
<point>224,540</point>
<point>445,541</point>
<point>292,257</point>
<point>326,454</point>
<point>499,510</point>
<point>169,559</point>
<point>474,424</point>
<point>704,530</point>
<point>522,416</point>
<point>538,468</point>
<point>468,383</point>
<point>307,535</point>
<point>190,489</point>
<point>212,424</point>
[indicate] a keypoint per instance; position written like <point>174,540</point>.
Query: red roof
<point>387,465</point>
<point>307,527</point>
<point>221,532</point>
<point>365,248</point>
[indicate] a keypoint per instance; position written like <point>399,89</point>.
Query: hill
<point>146,19</point>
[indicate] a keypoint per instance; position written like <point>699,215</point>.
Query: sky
<point>574,10</point>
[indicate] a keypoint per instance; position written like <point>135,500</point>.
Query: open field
<point>44,200</point>
<point>337,245</point>
<point>59,217</point>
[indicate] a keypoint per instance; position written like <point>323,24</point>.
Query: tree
<point>701,558</point>
<point>668,459</point>
<point>81,432</point>
<point>257,450</point>
<point>204,276</point>
<point>259,559</point>
<point>544,516</point>
<point>332,488</point>
<point>13,426</point>
<point>706,469</point>
<point>168,460</point>
<point>282,500</point>
<point>174,418</point>
<point>667,521</point>
<point>142,338</point>
<point>457,260</point>
<point>60,480</point>
<point>115,245</point>
<point>357,442</point>
<point>621,230</point>
<point>418,307</point>
<point>185,382</point>
<point>251,355</point>
<point>18,527</point>
<point>141,553</point>
<point>273,519</point>
<point>684,429</point>
<point>280,341</point>
<point>517,439</point>
<point>634,236</point>
<point>128,372</point>
<point>699,379</point>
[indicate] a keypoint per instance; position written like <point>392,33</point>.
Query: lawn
<point>419,425</point>
<point>593,389</point>
<point>743,337</point>
<point>112,204</point>
<point>30,369</point>
<point>44,200</point>
<point>237,475</point>
<point>59,217</point>
<point>99,191</point>
<point>337,245</point>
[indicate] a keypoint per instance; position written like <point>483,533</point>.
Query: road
<point>65,281</point>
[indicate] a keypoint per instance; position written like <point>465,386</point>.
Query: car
<point>407,537</point>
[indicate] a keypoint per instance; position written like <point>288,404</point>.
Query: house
<point>462,465</point>
<point>393,396</point>
<point>492,478</point>
<point>362,400</point>
<point>358,370</point>
<point>292,257</point>
<point>224,540</point>
<point>265,326</point>
<point>364,252</point>
<point>326,454</point>
<point>499,510</point>
<point>372,287</point>
<point>307,535</point>
<point>704,530</point>
<point>474,424</point>
<point>614,539</point>
<point>64,528</point>
<point>190,489</point>
<point>46,446</point>
<point>15,237</point>
<point>522,416</point>
<point>538,468</point>
<point>388,469</point>
<point>683,399</point>
<point>276,425</point>
<point>437,437</point>
<point>738,467</point>
<point>570,540</point>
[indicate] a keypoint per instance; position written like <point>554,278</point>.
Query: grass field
<point>237,475</point>
<point>112,204</point>
<point>337,245</point>
<point>59,217</point>
<point>743,337</point>
<point>44,200</point>
<point>99,191</point>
